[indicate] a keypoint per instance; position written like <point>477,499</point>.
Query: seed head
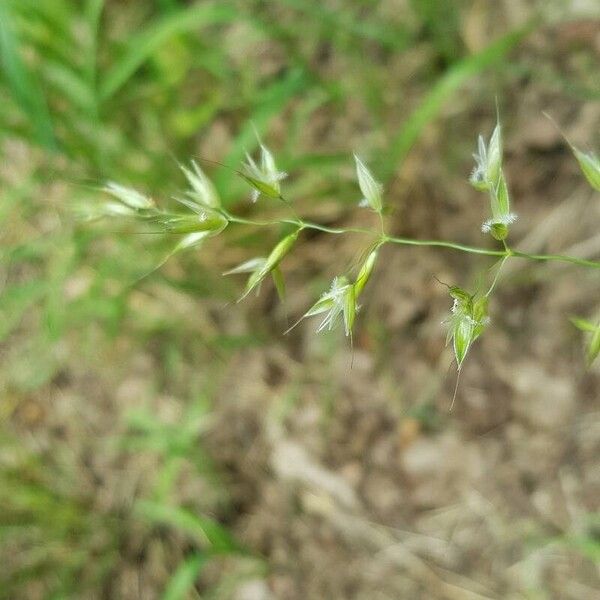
<point>265,177</point>
<point>259,268</point>
<point>128,196</point>
<point>371,189</point>
<point>203,193</point>
<point>468,318</point>
<point>488,162</point>
<point>365,272</point>
<point>590,167</point>
<point>203,220</point>
<point>593,344</point>
<point>337,303</point>
<point>489,177</point>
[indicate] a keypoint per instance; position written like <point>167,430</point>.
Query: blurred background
<point>158,440</point>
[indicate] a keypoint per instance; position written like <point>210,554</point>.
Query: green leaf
<point>587,545</point>
<point>392,35</point>
<point>175,517</point>
<point>184,577</point>
<point>70,85</point>
<point>270,102</point>
<point>142,45</point>
<point>206,531</point>
<point>442,91</point>
<point>22,82</point>
<point>15,301</point>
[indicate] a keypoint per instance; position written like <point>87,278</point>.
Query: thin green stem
<point>582,262</point>
<point>442,244</point>
<point>337,231</point>
<point>299,223</point>
<point>502,253</point>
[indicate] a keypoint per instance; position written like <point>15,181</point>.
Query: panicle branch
<point>206,217</point>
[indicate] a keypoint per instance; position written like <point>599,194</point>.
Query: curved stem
<point>582,262</point>
<point>503,253</point>
<point>317,227</point>
<point>442,244</point>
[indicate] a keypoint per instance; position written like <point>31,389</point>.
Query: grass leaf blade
<point>449,83</point>
<point>184,577</point>
<point>145,43</point>
<point>22,82</point>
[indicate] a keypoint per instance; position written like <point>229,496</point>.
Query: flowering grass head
<point>202,192</point>
<point>468,318</point>
<point>488,161</point>
<point>206,217</point>
<point>371,189</point>
<point>337,304</point>
<point>488,176</point>
<point>590,167</point>
<point>593,332</point>
<point>264,177</point>
<point>260,268</point>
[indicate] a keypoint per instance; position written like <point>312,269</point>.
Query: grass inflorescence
<point>469,314</point>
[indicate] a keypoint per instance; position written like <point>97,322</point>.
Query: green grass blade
<point>145,43</point>
<point>15,301</point>
<point>70,85</point>
<point>176,517</point>
<point>183,579</point>
<point>167,5</point>
<point>333,21</point>
<point>22,82</point>
<point>441,20</point>
<point>93,14</point>
<point>207,532</point>
<point>447,85</point>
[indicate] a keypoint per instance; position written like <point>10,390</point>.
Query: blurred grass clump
<point>93,476</point>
